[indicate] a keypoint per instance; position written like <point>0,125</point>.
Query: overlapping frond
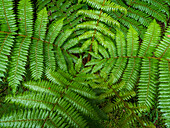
<point>138,70</point>
<point>63,9</point>
<point>103,17</point>
<point>59,102</point>
<point>151,9</point>
<point>140,13</point>
<point>80,44</point>
<point>121,96</point>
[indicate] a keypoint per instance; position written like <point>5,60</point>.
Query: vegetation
<point>84,63</point>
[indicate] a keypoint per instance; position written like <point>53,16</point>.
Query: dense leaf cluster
<point>63,61</point>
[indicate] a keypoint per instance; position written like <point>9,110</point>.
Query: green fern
<point>68,57</point>
<point>8,27</point>
<point>55,104</point>
<point>20,51</point>
<point>137,66</point>
<point>36,58</point>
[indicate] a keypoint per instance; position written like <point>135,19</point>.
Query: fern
<point>164,90</point>
<point>136,66</point>
<point>8,26</point>
<point>58,103</point>
<point>20,52</point>
<point>36,58</point>
<point>61,60</point>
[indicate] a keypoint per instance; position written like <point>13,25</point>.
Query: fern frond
<point>46,97</point>
<point>36,53</point>
<point>104,65</point>
<point>160,5</point>
<point>104,17</point>
<point>117,70</point>
<point>103,52</point>
<point>70,43</point>
<point>31,118</point>
<point>100,27</point>
<point>86,35</point>
<point>78,64</point>
<point>85,45</point>
<point>91,52</point>
<point>164,89</point>
<point>131,74</point>
<point>151,39</point>
<point>69,60</point>
<point>5,47</point>
<point>41,4</point>
<point>7,24</point>
<point>148,82</point>
<point>107,67</point>
<point>137,15</point>
<point>58,78</point>
<point>111,47</point>
<point>20,51</point>
<point>132,42</point>
<point>120,103</point>
<point>67,9</point>
<point>54,99</point>
<point>163,49</point>
<point>97,56</point>
<point>63,37</point>
<point>54,30</point>
<point>149,9</point>
<point>121,44</point>
<point>99,65</point>
<point>61,60</point>
<point>130,118</point>
<point>100,38</point>
<point>7,17</point>
<point>105,6</point>
<point>125,23</point>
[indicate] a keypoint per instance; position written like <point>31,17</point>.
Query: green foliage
<point>36,58</point>
<point>69,57</point>
<point>139,69</point>
<point>55,104</point>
